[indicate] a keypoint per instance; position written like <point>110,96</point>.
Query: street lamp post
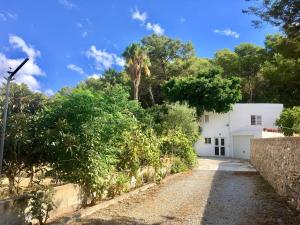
<point>5,107</point>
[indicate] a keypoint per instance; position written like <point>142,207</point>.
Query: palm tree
<point>137,62</point>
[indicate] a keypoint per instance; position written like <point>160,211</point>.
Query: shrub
<point>40,204</point>
<point>289,121</point>
<point>176,143</point>
<point>82,133</point>
<point>118,184</point>
<point>181,116</point>
<point>139,149</point>
<point>155,117</point>
<point>178,166</point>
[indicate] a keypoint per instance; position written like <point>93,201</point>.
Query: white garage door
<point>241,146</point>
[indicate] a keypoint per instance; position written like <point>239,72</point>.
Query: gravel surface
<point>215,197</point>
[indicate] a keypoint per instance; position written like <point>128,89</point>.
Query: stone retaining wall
<point>278,161</point>
<point>67,198</point>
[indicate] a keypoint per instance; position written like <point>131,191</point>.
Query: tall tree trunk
<point>136,91</point>
<point>151,95</point>
<point>136,84</point>
<point>250,100</point>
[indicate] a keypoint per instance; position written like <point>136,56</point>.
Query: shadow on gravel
<point>244,198</point>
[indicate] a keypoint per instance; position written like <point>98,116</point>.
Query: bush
<point>155,117</point>
<point>119,184</point>
<point>178,166</point>
<point>82,134</point>
<point>176,143</point>
<point>181,116</point>
<point>289,121</point>
<point>40,204</point>
<point>139,149</point>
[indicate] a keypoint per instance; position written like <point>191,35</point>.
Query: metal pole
<point>5,107</point>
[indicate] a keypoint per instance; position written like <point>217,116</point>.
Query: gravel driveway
<point>218,192</point>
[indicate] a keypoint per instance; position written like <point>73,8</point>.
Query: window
<point>256,120</point>
<point>216,141</point>
<point>207,140</point>
<point>206,118</point>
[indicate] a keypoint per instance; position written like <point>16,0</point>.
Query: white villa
<point>229,134</point>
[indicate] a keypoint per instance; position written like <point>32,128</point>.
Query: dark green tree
<point>83,132</point>
<point>23,152</point>
<point>137,63</point>
<point>289,121</point>
<point>281,13</point>
<point>207,91</point>
<point>109,78</point>
<point>168,58</point>
<point>228,61</point>
<point>250,59</point>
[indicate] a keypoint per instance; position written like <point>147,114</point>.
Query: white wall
<point>216,127</point>
<point>241,116</point>
<point>236,122</point>
<point>266,134</point>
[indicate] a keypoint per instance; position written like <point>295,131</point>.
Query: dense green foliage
<point>207,91</point>
<point>181,117</point>
<point>169,58</point>
<point>137,63</point>
<point>289,121</point>
<point>266,73</point>
<point>175,142</point>
<point>82,134</point>
<point>245,62</point>
<point>23,145</point>
<point>280,13</point>
<point>95,136</point>
<point>280,72</point>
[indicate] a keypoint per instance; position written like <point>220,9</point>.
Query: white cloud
<point>182,19</point>
<point>30,80</point>
<point>4,16</point>
<point>75,68</point>
<point>94,76</point>
<point>104,59</point>
<point>30,70</point>
<point>140,16</point>
<point>12,16</point>
<point>49,92</point>
<point>156,28</point>
<point>227,32</point>
<point>79,25</point>
<point>18,42</point>
<point>67,3</point>
<point>120,61</point>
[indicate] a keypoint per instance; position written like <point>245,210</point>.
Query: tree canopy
<point>137,63</point>
<point>281,13</point>
<point>168,58</point>
<point>207,91</point>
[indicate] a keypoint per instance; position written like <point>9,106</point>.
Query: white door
<point>219,146</point>
<point>241,146</point>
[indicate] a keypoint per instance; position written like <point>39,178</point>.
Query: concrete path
<point>218,192</point>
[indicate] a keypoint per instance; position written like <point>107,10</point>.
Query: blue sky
<point>70,40</point>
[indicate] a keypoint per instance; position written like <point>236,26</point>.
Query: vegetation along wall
<point>278,161</point>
